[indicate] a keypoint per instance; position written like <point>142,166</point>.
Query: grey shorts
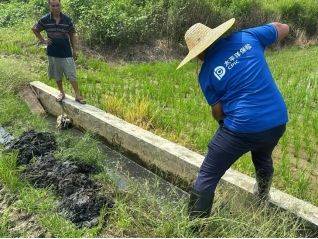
<point>61,66</point>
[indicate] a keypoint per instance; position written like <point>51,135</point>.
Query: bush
<point>117,22</point>
<point>38,7</point>
<point>301,14</point>
<point>129,22</point>
<point>126,22</point>
<point>12,13</point>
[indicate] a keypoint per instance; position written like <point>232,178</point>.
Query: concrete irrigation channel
<point>156,152</point>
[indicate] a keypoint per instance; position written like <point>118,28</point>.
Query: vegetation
<point>138,211</point>
<point>167,102</point>
<point>128,22</point>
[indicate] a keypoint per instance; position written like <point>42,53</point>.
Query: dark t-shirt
<point>58,33</point>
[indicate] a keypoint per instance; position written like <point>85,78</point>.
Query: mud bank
<point>81,199</point>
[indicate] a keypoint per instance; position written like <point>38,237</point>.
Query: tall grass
<point>130,22</point>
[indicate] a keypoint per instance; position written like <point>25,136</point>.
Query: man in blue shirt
<point>238,85</point>
<point>61,47</point>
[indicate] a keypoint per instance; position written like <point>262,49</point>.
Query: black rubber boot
<point>200,204</point>
<point>262,187</point>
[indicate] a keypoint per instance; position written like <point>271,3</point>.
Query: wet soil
<point>81,199</point>
<point>33,144</point>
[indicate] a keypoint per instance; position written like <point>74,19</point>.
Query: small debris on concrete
<point>63,122</point>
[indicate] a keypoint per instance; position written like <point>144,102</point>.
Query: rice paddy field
<point>169,103</point>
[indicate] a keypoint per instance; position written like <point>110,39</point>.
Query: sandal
<point>81,101</point>
<point>60,97</point>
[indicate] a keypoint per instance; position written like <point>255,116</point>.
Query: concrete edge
<point>157,151</point>
<point>32,102</point>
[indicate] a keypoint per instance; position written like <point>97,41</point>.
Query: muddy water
<point>80,198</point>
<point>33,144</point>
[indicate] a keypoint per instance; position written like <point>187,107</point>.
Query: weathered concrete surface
<point>31,100</point>
<point>156,151</point>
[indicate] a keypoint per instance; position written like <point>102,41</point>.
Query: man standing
<point>61,47</point>
<point>237,83</point>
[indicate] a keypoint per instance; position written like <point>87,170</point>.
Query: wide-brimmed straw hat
<point>199,37</point>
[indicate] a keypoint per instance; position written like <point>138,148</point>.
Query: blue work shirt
<point>236,74</point>
<point>58,33</point>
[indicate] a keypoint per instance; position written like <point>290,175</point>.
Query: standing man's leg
<point>60,87</point>
<point>70,73</point>
<point>263,162</point>
<point>55,71</point>
<point>224,149</point>
<point>76,89</point>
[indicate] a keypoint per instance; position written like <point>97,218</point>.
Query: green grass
<point>138,212</point>
<point>169,103</point>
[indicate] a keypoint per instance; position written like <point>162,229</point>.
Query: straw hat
<point>199,37</point>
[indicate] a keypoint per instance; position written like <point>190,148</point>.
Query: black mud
<point>81,199</point>
<point>33,144</point>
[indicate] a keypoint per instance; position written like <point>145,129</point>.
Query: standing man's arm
<point>37,32</point>
<point>73,40</point>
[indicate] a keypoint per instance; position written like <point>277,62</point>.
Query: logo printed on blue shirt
<point>233,60</point>
<point>219,72</point>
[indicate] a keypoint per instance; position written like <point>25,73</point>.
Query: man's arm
<point>39,36</point>
<point>217,112</point>
<point>73,40</point>
<point>282,30</point>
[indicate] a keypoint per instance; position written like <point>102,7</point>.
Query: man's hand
<point>282,29</point>
<point>37,33</point>
<point>46,42</point>
<point>217,112</point>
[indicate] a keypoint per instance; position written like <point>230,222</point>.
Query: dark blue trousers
<point>227,146</point>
